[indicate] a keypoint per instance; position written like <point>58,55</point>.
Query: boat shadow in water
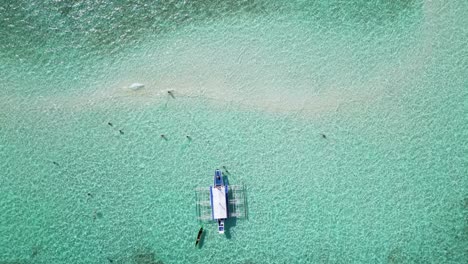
<point>228,224</point>
<point>225,178</point>
<point>202,238</point>
<point>232,221</point>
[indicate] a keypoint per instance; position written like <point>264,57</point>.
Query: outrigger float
<point>221,201</point>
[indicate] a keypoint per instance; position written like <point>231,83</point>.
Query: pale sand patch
<point>217,97</point>
<point>198,73</point>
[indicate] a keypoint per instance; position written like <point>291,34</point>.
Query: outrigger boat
<point>225,201</point>
<point>219,200</point>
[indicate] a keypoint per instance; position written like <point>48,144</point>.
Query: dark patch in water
<point>35,251</point>
<point>395,256</point>
<point>398,255</point>
<point>66,8</point>
<point>145,256</point>
<point>228,225</point>
<point>226,170</point>
<point>90,26</point>
<point>97,215</point>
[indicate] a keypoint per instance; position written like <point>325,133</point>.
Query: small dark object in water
<point>188,137</point>
<point>121,132</point>
<point>323,136</point>
<point>200,232</point>
<point>226,170</point>
<point>110,124</point>
<point>90,195</point>
<point>110,260</point>
<point>97,214</point>
<point>55,163</point>
<point>163,136</point>
<point>170,93</point>
<point>35,251</point>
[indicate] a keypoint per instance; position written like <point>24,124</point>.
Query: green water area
<point>346,121</point>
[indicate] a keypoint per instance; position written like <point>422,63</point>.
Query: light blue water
<point>255,84</point>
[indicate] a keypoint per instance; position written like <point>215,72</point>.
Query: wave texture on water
<point>345,120</point>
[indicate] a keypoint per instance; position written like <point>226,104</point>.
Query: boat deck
<point>219,202</point>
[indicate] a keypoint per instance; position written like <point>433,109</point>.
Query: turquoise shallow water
<point>255,84</point>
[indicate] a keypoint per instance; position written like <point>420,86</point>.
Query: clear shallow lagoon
<point>255,85</point>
